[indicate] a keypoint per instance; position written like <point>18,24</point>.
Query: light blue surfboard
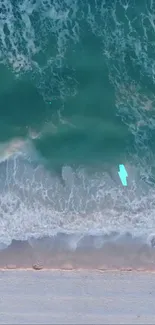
<point>123,175</point>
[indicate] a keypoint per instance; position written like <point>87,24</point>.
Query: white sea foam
<point>33,203</point>
<point>25,29</point>
<point>128,42</point>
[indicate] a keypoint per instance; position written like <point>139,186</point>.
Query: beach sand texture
<point>77,297</point>
<point>43,282</point>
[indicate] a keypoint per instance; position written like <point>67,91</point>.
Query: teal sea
<point>77,98</point>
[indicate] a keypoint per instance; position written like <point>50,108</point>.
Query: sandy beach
<point>76,297</point>
<point>44,282</point>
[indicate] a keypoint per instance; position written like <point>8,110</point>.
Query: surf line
<point>123,175</point>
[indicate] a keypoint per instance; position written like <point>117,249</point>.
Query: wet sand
<point>76,297</point>
<point>47,253</point>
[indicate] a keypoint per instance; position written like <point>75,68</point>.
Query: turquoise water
<point>76,100</point>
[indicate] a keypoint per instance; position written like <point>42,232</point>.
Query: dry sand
<point>77,297</point>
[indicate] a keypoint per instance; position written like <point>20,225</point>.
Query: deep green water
<point>65,65</point>
<point>81,76</point>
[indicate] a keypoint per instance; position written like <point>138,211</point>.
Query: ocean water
<point>77,98</point>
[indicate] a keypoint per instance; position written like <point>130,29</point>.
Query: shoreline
<point>42,254</point>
